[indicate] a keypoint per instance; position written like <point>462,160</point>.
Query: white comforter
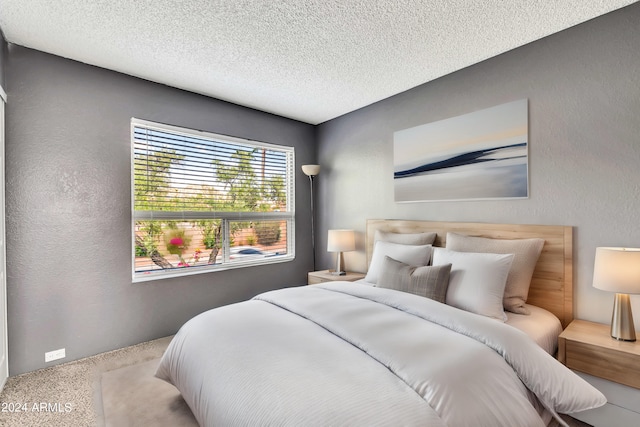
<point>346,354</point>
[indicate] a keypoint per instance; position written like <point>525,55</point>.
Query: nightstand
<point>588,347</point>
<point>612,366</point>
<point>315,277</point>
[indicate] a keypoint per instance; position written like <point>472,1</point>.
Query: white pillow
<point>525,256</point>
<point>417,255</point>
<point>477,280</point>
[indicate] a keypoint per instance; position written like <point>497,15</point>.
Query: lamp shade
<point>617,270</point>
<point>341,241</point>
<point>311,170</point>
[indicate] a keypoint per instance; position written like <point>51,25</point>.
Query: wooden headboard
<point>552,282</point>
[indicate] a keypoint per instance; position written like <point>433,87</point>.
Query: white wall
<point>583,88</point>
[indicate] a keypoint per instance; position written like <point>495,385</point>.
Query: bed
<point>375,353</point>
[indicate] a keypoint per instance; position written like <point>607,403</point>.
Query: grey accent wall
<point>583,87</point>
<point>3,55</point>
<point>69,209</point>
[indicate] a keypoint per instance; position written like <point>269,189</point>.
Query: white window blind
<point>204,202</point>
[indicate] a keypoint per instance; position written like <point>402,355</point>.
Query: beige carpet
<point>71,394</point>
<point>132,396</point>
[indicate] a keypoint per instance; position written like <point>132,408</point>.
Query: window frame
<point>225,216</point>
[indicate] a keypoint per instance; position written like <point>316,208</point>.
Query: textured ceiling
<point>310,60</point>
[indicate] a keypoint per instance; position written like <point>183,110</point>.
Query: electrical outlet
<point>54,355</point>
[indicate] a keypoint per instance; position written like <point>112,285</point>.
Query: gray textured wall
<point>583,87</point>
<point>69,203</point>
<point>3,54</point>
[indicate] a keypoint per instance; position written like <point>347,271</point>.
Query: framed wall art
<point>479,155</point>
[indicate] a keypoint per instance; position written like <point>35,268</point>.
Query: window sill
<point>190,271</point>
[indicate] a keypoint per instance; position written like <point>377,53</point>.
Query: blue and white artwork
<point>480,155</point>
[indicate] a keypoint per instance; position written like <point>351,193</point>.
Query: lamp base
<point>622,328</point>
<point>339,265</point>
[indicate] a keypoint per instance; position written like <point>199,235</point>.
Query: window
<point>205,202</point>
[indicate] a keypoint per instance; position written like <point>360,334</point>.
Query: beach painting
<point>479,155</point>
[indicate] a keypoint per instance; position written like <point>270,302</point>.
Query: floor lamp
<point>312,171</point>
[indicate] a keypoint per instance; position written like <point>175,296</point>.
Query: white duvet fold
<point>350,354</point>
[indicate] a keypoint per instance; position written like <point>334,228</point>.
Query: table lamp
<point>341,241</point>
<point>618,270</point>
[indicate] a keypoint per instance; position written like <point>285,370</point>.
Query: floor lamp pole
<point>313,231</point>
<point>311,171</point>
